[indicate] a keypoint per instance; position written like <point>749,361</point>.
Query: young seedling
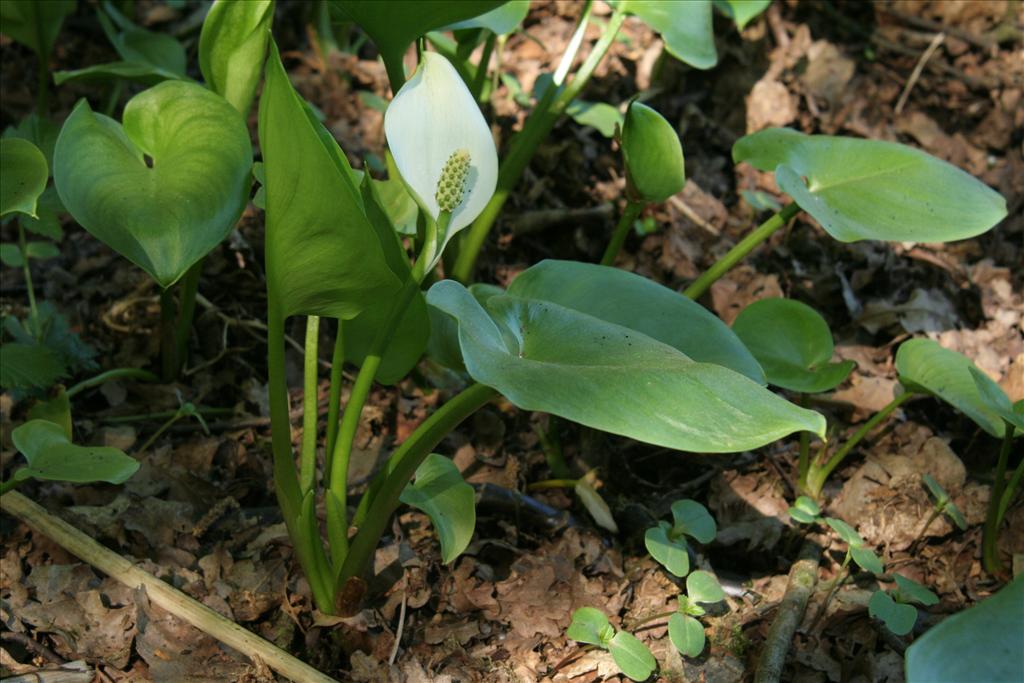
<point>684,629</point>
<point>857,550</point>
<point>805,511</point>
<point>942,505</point>
<point>590,625</point>
<point>895,608</point>
<point>585,489</point>
<point>667,542</point>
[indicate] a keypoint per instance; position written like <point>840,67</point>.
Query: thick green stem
<point>187,291</point>
<point>633,209</point>
<point>540,122</point>
<point>33,310</point>
<point>9,485</point>
<point>307,457</point>
<point>481,68</point>
<point>990,536</point>
<point>334,401</point>
<point>817,474</point>
<point>739,252</point>
<point>399,470</point>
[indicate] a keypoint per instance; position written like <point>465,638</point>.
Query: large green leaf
<point>233,46</point>
<point>868,189</point>
<point>982,643</point>
<point>632,656</point>
<point>686,28</point>
<point>630,300</point>
<point>394,25</point>
<point>34,23</point>
<point>543,356</point>
<point>440,491</point>
<point>23,176</point>
<point>52,456</point>
<point>792,343</point>
<point>323,255</point>
<point>167,187</point>
<point>923,365</point>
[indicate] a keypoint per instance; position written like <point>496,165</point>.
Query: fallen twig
<point>916,73</point>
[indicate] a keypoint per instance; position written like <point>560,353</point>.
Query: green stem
<point>498,56</point>
<point>116,373</point>
<point>552,484</point>
<point>1010,489</point>
<point>187,291</point>
<point>739,252</point>
<point>32,308</point>
<point>307,457</point>
<point>817,474</point>
<point>162,414</point>
<point>334,401</point>
<point>551,442</point>
<point>399,470</point>
<point>10,485</point>
<point>990,535</point>
<point>481,69</point>
<point>168,315</point>
<point>633,209</point>
<point>522,147</point>
<point>805,446</point>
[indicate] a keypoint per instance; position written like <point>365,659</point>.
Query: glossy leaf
<point>545,357</point>
<point>686,28</point>
<point>57,410</point>
<point>671,553</point>
<point>805,510</point>
<point>981,643</point>
<point>34,23</point>
<point>652,153</point>
<point>899,618</point>
<point>40,131</point>
<point>868,189</point>
<point>139,72</point>
<point>598,115</point>
<point>52,456</point>
<point>167,214</point>
<point>742,11</point>
<point>394,25</point>
<point>501,20</point>
<point>693,519</point>
<point>845,532</point>
<point>792,343</point>
<point>590,625</point>
<point>924,365</point>
<point>702,586</point>
<point>632,656</point>
<point>633,301</point>
<point>686,634</point>
<point>29,366</point>
<point>233,47</point>
<point>323,255</point>
<point>912,591</point>
<point>866,559</point>
<point>995,399</point>
<point>440,491</point>
<point>23,176</point>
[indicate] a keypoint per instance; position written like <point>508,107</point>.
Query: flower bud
<point>653,155</point>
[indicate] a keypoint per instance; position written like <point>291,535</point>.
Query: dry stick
<point>916,73</point>
<point>162,594</point>
<point>803,577</point>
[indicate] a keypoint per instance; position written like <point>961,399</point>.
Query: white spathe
<point>432,116</point>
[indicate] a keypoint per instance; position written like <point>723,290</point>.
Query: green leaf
<point>845,532</point>
<point>693,519</point>
<point>47,221</point>
<point>633,301</point>
<point>41,250</point>
<point>702,586</point>
<point>603,117</point>
<point>898,618</point>
<point>868,189</point>
<point>589,625</point>
<point>923,365</point>
<point>323,254</point>
<point>394,25</point>
<point>23,177</point>
<point>40,131</point>
<point>161,52</point>
<point>233,46</point>
<point>805,510</point>
<point>545,357</point>
<point>52,456</point>
<point>742,11</point>
<point>57,410</point>
<point>10,255</point>
<point>866,559</point>
<point>33,23</point>
<point>29,367</point>
<point>995,399</point>
<point>443,345</point>
<point>441,493</point>
<point>687,634</point>
<point>139,72</point>
<point>912,591</point>
<point>51,329</point>
<point>686,28</point>
<point>978,644</point>
<point>166,217</point>
<point>670,553</point>
<point>632,656</point>
<point>935,487</point>
<point>652,154</point>
<point>792,343</point>
<point>501,20</point>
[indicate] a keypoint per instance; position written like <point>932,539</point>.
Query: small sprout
<point>943,503</point>
<point>685,632</point>
<point>805,511</point>
<point>667,543</point>
<point>894,608</point>
<point>858,550</point>
<point>595,504</point>
<point>590,625</point>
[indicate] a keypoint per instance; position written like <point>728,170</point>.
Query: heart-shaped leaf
<point>898,618</point>
<point>742,11</point>
<point>23,177</point>
<point>687,634</point>
<point>324,256</point>
<point>546,357</point>
<point>633,301</point>
<point>995,399</point>
<point>440,491</point>
<point>950,651</point>
<point>632,656</point>
<point>868,189</point>
<point>792,343</point>
<point>590,625</point>
<point>52,456</point>
<point>693,519</point>
<point>702,586</point>
<point>923,365</point>
<point>912,591</point>
<point>167,187</point>
<point>686,28</point>
<point>232,47</point>
<point>33,23</point>
<point>671,553</point>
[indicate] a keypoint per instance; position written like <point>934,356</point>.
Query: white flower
<point>431,119</point>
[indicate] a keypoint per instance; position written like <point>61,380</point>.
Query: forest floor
<point>201,512</point>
